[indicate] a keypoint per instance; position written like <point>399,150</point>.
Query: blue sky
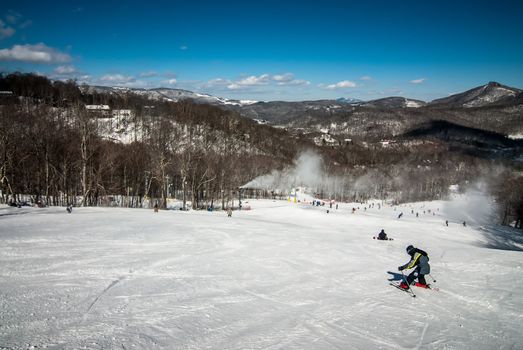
<point>270,50</point>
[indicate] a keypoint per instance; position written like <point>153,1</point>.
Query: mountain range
<point>492,107</point>
<point>492,93</point>
<point>283,113</point>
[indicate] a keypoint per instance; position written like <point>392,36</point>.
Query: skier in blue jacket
<point>420,260</point>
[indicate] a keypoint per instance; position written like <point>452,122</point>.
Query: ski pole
<point>433,280</point>
<point>408,285</point>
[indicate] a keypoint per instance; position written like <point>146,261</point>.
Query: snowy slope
<point>395,102</point>
<point>279,276</point>
<point>480,96</point>
<point>168,94</point>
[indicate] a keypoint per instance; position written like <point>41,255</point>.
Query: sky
<point>270,50</point>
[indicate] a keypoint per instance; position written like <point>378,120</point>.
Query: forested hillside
<point>61,143</point>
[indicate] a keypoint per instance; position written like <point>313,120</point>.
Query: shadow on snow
<point>502,237</point>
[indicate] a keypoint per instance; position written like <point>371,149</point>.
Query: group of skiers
<point>419,262</point>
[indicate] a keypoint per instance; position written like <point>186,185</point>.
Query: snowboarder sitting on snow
<point>382,236</point>
<point>420,260</point>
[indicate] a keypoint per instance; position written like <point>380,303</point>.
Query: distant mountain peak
<point>485,95</point>
<point>349,100</point>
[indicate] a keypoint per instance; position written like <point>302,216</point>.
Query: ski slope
<point>279,276</point>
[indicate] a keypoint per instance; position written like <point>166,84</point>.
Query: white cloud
<point>169,81</point>
<point>234,86</point>
<point>65,70</point>
<point>218,82</point>
<point>295,82</point>
<point>39,53</point>
<point>341,85</point>
<point>283,78</point>
<point>5,31</point>
<point>366,77</point>
<point>288,79</point>
<point>417,81</point>
<point>149,74</point>
<point>254,80</point>
<point>253,83</point>
<point>117,79</point>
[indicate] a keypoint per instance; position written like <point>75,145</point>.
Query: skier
<point>229,212</point>
<point>446,222</point>
<point>420,260</point>
<point>69,208</point>
<point>382,236</point>
<point>399,216</point>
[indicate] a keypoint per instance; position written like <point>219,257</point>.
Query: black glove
<point>400,268</point>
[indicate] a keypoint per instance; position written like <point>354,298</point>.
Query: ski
<point>428,287</point>
<point>408,291</point>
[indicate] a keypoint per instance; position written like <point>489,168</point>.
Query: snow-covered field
<point>280,276</point>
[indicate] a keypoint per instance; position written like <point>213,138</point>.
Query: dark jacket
<point>419,259</point>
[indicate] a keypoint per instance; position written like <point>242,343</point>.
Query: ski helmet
<point>409,248</point>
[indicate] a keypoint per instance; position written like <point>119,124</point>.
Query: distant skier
<point>447,222</point>
<point>69,208</point>
<point>382,236</point>
<point>229,212</point>
<point>399,216</point>
<point>155,207</point>
<point>464,224</point>
<point>420,260</point>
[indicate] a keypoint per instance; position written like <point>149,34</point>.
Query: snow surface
<point>412,104</point>
<point>279,276</point>
<point>495,94</point>
<point>516,136</point>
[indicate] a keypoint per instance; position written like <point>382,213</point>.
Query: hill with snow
<point>498,108</point>
<point>395,102</point>
<point>168,94</point>
<point>489,94</point>
<point>278,276</point>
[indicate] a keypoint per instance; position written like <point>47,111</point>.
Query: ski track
<point>418,346</point>
<point>112,284</point>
